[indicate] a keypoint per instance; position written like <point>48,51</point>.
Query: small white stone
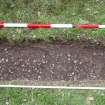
<point>39,63</point>
<point>15,63</point>
<point>94,53</point>
<point>2,59</point>
<point>40,72</point>
<point>29,71</point>
<point>39,77</point>
<point>5,49</point>
<point>36,69</point>
<point>80,63</point>
<point>44,56</point>
<point>53,65</point>
<point>69,55</point>
<point>6,60</point>
<point>52,72</point>
<point>75,61</point>
<point>34,61</point>
<point>23,65</point>
<point>43,61</point>
<point>68,59</point>
<point>72,73</point>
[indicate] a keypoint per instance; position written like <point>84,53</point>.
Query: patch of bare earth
<point>74,61</point>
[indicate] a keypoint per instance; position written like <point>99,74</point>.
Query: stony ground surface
<point>81,60</point>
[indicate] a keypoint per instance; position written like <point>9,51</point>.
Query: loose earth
<point>76,60</point>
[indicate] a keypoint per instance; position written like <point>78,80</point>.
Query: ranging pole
<point>52,87</point>
<point>33,25</point>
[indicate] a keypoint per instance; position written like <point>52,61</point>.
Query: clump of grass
<point>15,96</point>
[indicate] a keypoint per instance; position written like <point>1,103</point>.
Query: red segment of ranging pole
<point>33,25</point>
<point>1,24</point>
<point>87,26</point>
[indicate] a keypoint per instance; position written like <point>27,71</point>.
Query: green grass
<point>13,96</point>
<point>52,11</point>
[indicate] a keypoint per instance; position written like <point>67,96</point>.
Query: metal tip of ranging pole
<point>34,26</point>
<point>52,87</point>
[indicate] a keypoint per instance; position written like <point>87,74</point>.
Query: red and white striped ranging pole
<point>33,25</point>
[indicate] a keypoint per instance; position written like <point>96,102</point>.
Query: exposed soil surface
<point>76,60</point>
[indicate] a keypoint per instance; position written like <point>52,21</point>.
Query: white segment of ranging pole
<point>101,26</point>
<point>52,87</point>
<point>61,26</point>
<point>15,25</point>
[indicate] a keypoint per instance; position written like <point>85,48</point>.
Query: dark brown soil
<point>76,60</point>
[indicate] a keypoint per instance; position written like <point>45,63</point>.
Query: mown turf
<point>13,96</point>
<point>52,11</point>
